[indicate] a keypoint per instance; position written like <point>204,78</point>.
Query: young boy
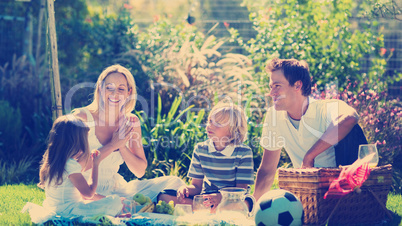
<point>222,160</point>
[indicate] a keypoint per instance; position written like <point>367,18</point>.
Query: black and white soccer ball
<point>278,207</point>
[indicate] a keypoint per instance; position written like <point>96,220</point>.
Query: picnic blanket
<point>40,215</point>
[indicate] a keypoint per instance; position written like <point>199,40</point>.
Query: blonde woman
<point>116,133</point>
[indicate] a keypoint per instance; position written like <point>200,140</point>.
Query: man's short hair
<point>293,70</point>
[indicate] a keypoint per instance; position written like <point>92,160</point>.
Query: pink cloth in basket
<point>350,178</point>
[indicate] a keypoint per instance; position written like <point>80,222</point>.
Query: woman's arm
<point>133,153</point>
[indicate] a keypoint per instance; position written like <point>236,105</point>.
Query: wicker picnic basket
<point>310,185</point>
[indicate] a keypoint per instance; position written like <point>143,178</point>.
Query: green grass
<point>14,197</point>
<point>394,203</point>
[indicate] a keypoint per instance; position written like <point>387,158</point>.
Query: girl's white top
<point>61,198</point>
<point>65,200</point>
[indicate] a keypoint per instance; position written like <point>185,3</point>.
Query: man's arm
<point>266,172</point>
<point>336,131</point>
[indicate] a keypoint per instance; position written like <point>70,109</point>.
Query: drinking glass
<point>198,205</point>
<point>182,210</point>
<point>129,206</point>
<point>369,153</point>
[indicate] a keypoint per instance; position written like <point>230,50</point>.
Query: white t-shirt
<point>278,131</point>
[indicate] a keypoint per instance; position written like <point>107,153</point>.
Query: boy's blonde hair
<point>232,114</point>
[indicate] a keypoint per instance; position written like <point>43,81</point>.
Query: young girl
<point>67,192</point>
<point>221,161</point>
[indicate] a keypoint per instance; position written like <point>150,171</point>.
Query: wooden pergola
<point>57,108</point>
<point>54,77</point>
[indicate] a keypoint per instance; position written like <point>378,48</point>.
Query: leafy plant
<point>25,113</point>
<point>17,162</point>
<point>17,172</point>
<point>110,35</point>
<point>72,35</point>
<point>11,128</point>
<point>374,9</point>
<point>169,139</point>
<point>183,61</point>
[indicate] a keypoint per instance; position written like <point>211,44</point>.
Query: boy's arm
<point>194,188</point>
<point>196,173</point>
<point>245,170</point>
<point>187,190</point>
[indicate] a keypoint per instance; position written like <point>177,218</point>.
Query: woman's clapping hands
<point>122,135</point>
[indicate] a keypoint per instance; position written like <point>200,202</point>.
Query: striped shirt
<point>226,168</point>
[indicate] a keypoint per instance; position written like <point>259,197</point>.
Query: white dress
<point>65,200</point>
<point>111,182</point>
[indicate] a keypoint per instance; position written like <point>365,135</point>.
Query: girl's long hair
<point>67,138</point>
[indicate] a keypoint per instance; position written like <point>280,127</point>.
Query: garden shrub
<point>11,129</point>
<point>15,161</point>
<point>380,119</point>
<point>319,32</point>
<point>25,117</point>
<point>109,37</point>
<point>72,35</point>
<point>21,171</point>
<point>180,60</point>
<point>29,92</point>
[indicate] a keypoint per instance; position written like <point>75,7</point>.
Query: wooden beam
<point>54,78</point>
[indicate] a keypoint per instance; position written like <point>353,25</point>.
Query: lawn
<point>14,197</point>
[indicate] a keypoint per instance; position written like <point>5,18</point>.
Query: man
<point>306,128</point>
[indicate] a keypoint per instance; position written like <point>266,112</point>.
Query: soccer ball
<point>278,207</point>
